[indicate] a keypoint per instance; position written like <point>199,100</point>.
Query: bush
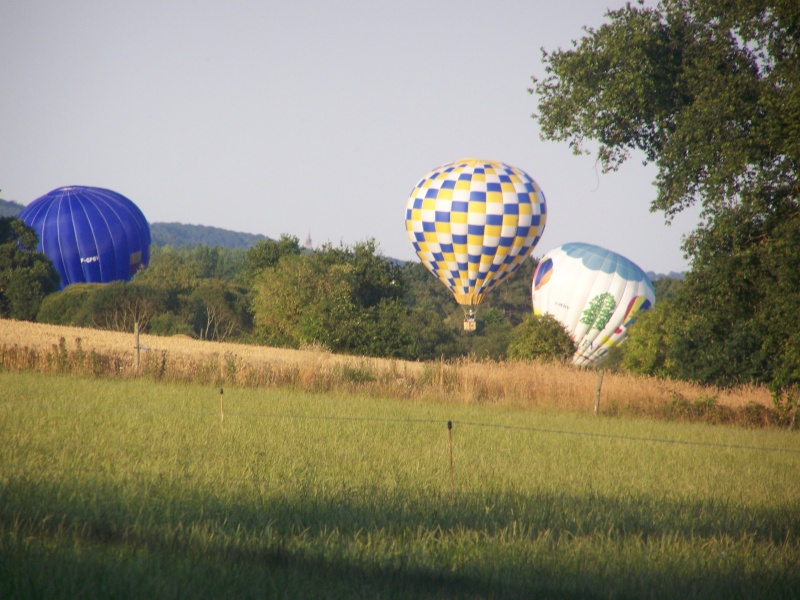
<point>68,307</point>
<point>170,324</point>
<point>540,337</point>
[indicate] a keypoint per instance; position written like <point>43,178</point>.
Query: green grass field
<point>114,488</point>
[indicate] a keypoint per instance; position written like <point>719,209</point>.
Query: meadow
<point>140,487</point>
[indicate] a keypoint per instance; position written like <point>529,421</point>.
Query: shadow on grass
<point>64,540</point>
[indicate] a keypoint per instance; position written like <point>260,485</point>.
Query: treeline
<point>344,299</point>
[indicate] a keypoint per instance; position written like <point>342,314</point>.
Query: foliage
<point>504,308</point>
<point>68,306</point>
<point>541,338</point>
<point>26,276</point>
<point>512,298</point>
<point>666,287</point>
<point>734,320</point>
<point>171,269</point>
<point>785,385</point>
<point>219,310</point>
<point>169,323</point>
<point>116,306</point>
<point>211,309</point>
<point>646,347</point>
<point>266,253</point>
<point>492,335</point>
<point>708,91</point>
<point>120,305</point>
<point>348,300</point>
<point>748,267</point>
<point>201,291</point>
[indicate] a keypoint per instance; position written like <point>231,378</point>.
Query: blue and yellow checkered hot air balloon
<point>473,222</point>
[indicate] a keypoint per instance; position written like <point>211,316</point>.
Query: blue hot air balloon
<point>91,235</point>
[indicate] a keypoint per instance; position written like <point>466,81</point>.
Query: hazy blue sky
<point>297,117</point>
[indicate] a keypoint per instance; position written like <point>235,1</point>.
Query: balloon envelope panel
<point>91,235</point>
<point>595,293</point>
<point>473,222</point>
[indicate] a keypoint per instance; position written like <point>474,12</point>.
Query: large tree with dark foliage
<point>26,276</point>
<point>708,91</point>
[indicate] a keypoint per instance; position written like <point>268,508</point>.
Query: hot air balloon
<point>472,223</point>
<point>91,235</point>
<point>595,293</point>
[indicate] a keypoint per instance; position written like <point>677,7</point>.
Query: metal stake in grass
<point>221,407</point>
<point>452,470</point>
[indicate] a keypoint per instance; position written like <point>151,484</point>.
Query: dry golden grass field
<point>52,348</point>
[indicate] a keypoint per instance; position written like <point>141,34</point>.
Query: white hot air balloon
<point>595,293</point>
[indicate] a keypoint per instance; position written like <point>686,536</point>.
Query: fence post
<point>597,394</point>
<point>136,342</point>
<point>452,470</point>
<point>221,407</point>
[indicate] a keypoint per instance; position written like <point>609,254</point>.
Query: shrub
<point>540,337</point>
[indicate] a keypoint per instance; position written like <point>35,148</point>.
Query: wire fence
<point>182,474</point>
<point>450,423</point>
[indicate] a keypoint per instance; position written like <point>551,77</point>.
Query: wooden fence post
<point>136,343</point>
<point>452,469</point>
<point>597,394</point>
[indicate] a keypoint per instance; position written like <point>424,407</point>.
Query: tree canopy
<point>345,299</point>
<point>705,89</point>
<point>708,91</point>
<point>26,276</point>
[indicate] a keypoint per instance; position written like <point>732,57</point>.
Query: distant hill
<point>9,208</point>
<point>179,235</point>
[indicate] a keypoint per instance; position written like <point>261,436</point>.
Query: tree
<point>282,293</point>
<point>26,276</point>
<point>541,338</point>
<point>708,91</point>
<point>347,299</point>
<point>705,89</point>
<point>645,349</point>
<point>666,287</point>
<point>266,253</point>
<point>120,305</point>
<point>218,310</point>
<point>172,271</point>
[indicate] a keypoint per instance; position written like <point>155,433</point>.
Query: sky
<point>305,117</point>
